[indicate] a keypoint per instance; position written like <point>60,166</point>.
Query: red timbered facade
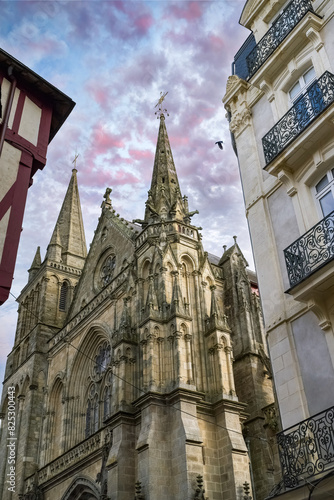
<point>32,111</point>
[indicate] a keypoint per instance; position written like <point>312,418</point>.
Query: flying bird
<point>220,144</point>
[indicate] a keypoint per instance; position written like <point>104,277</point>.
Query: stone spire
<point>68,235</point>
<point>164,198</point>
<point>36,264</point>
<point>54,247</point>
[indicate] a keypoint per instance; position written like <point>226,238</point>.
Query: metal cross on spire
<point>75,161</point>
<point>161,111</point>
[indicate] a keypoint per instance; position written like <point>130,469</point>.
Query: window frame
<point>329,187</point>
<point>303,85</point>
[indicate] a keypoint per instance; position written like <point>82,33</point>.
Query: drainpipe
<point>8,107</point>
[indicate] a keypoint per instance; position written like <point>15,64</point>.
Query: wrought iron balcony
<point>307,449</point>
<point>311,251</point>
<point>317,98</point>
<point>280,29</point>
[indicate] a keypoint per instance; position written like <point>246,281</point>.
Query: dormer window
<point>300,86</point>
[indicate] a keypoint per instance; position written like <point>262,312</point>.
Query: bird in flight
<point>220,144</point>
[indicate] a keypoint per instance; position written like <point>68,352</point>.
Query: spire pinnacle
<point>69,231</point>
<point>36,264</point>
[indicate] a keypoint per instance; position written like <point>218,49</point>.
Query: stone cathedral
<point>139,370</point>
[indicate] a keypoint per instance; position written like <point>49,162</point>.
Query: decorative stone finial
<point>235,239</point>
<point>107,202</point>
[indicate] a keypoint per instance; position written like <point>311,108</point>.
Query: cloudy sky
<point>113,58</point>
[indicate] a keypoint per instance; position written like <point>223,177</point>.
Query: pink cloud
<point>189,10</point>
<point>126,20</point>
<point>178,140</point>
<point>103,178</point>
<point>143,23</point>
<point>104,141</point>
<point>100,93</point>
<point>139,155</point>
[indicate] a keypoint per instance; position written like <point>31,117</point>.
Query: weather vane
<point>75,160</point>
<point>161,111</point>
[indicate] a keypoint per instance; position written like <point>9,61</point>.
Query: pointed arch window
<point>102,360</point>
<point>95,422</point>
<point>88,419</point>
<point>106,402</point>
<point>63,296</point>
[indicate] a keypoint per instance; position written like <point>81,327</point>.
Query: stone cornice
<point>86,451</point>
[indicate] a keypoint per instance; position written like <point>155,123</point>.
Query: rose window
<point>107,270</point>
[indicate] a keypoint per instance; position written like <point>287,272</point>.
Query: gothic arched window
<point>106,402</point>
<point>95,422</point>
<point>88,419</point>
<point>102,359</point>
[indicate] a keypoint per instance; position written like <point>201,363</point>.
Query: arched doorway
<point>82,489</point>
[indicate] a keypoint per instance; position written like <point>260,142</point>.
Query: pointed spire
<point>151,301</point>
<point>69,230</point>
<point>234,249</point>
<point>164,198</point>
<point>54,248</point>
<point>177,305</point>
<point>216,320</point>
<point>36,264</point>
<point>214,309</point>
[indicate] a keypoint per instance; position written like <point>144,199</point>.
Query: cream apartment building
<point>279,103</point>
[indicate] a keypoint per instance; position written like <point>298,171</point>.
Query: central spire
<point>164,198</point>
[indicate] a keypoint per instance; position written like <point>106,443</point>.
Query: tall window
<point>63,296</point>
<point>325,193</point>
<point>106,402</point>
<point>303,82</point>
<point>88,419</point>
<point>95,422</point>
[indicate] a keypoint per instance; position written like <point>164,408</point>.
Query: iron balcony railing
<point>280,29</point>
<point>311,251</point>
<point>316,99</point>
<point>307,449</point>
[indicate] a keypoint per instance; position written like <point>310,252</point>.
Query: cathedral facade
<point>139,371</point>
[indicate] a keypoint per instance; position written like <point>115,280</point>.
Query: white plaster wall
<point>263,121</point>
<point>285,226</point>
<point>30,121</point>
<point>315,362</point>
<point>288,380</point>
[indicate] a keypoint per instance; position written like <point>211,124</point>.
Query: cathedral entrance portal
<point>82,489</point>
